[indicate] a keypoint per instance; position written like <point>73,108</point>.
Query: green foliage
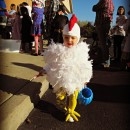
<point>82,23</point>
<point>87,28</point>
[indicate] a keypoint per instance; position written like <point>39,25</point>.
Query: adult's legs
<point>41,44</point>
<point>30,47</point>
<point>103,30</point>
<point>36,44</point>
<point>115,41</point>
<point>119,51</point>
<point>22,45</point>
<point>117,46</point>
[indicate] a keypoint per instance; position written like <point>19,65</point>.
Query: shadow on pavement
<point>113,93</point>
<point>51,109</point>
<point>30,66</point>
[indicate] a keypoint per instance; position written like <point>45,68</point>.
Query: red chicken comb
<point>72,21</point>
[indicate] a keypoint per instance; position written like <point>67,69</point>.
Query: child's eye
<point>73,38</point>
<point>66,37</point>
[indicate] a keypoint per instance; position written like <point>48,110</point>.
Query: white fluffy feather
<point>68,68</point>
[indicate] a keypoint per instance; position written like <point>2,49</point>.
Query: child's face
<point>70,41</point>
<point>121,10</point>
<point>12,7</point>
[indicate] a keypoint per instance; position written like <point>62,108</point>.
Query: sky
<point>83,9</point>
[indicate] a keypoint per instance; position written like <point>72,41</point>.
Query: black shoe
<point>35,54</point>
<point>41,53</point>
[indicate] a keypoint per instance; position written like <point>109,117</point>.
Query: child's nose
<point>69,39</point>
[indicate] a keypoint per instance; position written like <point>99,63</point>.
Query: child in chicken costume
<point>68,68</point>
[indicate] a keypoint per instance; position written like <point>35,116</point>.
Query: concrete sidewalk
<point>18,94</point>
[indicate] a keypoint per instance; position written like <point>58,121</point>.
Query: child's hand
<point>85,83</point>
<point>41,73</point>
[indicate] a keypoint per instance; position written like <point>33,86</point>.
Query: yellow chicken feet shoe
<point>71,107</point>
<point>70,119</point>
<point>61,103</point>
<point>72,114</point>
<point>61,94</point>
<point>61,98</point>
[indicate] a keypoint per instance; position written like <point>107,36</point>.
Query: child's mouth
<point>70,44</point>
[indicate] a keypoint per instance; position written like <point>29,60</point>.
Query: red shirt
<point>104,10</point>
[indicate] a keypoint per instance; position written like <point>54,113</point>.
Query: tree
<point>82,23</point>
<point>87,28</point>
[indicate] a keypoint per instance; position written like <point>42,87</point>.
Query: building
<point>16,2</point>
<point>66,3</point>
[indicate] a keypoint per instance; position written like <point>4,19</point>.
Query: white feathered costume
<point>68,68</point>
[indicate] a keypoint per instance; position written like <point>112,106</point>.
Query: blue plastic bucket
<point>85,96</point>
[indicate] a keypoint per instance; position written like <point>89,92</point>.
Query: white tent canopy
<point>68,5</point>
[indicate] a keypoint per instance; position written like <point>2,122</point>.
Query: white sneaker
<point>71,119</point>
<point>106,65</point>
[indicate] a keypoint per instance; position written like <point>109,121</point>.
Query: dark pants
<point>3,21</point>
<point>102,32</point>
<point>117,46</point>
<point>26,47</point>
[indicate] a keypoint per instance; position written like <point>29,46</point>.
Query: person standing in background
<point>26,37</point>
<point>16,26</point>
<point>125,58</point>
<point>12,9</point>
<point>2,8</point>
<point>60,20</point>
<point>10,18</point>
<point>37,17</point>
<point>119,33</point>
<point>104,14</point>
<point>28,8</point>
<point>3,18</point>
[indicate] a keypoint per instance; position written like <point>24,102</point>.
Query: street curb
<point>21,104</point>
